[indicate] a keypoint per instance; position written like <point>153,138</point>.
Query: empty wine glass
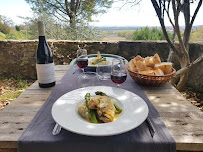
<point>82,58</point>
<point>118,71</point>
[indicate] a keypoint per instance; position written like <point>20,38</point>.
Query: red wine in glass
<point>82,63</point>
<point>118,78</point>
<point>82,58</point>
<point>118,71</point>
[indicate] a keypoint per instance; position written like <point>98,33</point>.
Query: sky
<point>139,15</point>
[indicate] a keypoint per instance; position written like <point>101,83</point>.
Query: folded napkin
<point>38,135</point>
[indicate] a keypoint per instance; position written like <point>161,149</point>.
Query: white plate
<point>110,59</point>
<point>65,113</point>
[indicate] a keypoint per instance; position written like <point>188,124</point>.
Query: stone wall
<point>17,58</point>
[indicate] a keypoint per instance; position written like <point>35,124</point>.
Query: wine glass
<point>82,58</point>
<point>118,71</point>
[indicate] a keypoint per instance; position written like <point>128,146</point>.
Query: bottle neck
<point>41,29</point>
<point>42,39</point>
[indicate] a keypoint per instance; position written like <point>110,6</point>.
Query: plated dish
<point>108,62</point>
<point>134,112</point>
<point>100,108</point>
<point>99,60</point>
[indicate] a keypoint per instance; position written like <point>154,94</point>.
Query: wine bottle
<point>45,63</point>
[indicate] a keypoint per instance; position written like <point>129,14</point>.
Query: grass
<point>11,88</point>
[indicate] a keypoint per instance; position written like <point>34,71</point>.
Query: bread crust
<point>166,67</point>
<point>150,65</point>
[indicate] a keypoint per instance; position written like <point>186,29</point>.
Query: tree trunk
<point>73,27</point>
<point>171,53</point>
<point>183,80</point>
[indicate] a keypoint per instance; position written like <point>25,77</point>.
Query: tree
<point>163,7</point>
<point>76,12</point>
<point>149,34</point>
<point>54,29</point>
<point>5,24</point>
<point>17,28</point>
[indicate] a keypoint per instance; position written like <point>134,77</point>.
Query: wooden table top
<point>183,119</point>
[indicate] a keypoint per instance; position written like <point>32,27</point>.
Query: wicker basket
<point>151,80</point>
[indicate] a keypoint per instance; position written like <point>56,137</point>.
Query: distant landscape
<point>133,28</point>
<point>124,33</point>
<point>28,31</point>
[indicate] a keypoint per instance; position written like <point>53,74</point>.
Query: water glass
<point>86,79</point>
<point>103,72</point>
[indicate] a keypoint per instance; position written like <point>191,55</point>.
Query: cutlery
<point>150,126</point>
<point>56,129</point>
<point>74,70</point>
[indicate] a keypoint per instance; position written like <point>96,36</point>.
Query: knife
<point>150,126</point>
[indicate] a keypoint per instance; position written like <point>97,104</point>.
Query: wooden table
<point>182,118</point>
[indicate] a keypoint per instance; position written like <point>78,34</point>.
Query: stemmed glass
<point>118,71</point>
<point>82,58</point>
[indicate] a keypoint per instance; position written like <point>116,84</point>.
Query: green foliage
<point>144,34</point>
<point>149,34</point>
<point>16,35</point>
<point>54,29</point>
<point>13,87</point>
<point>5,24</point>
<point>4,28</point>
<point>2,36</point>
<point>17,28</point>
<point>72,12</point>
<point>126,34</point>
<point>197,35</point>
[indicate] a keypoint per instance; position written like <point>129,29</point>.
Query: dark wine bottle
<point>45,63</point>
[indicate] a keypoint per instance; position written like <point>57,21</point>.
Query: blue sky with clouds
<point>141,15</point>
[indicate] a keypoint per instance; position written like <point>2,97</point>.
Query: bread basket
<point>150,80</point>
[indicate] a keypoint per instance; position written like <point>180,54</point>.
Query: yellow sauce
<point>117,115</point>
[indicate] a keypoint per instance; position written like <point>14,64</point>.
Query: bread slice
<point>166,67</point>
<point>141,65</point>
<point>149,62</point>
<point>139,58</point>
<point>132,66</point>
<point>139,62</point>
<point>156,59</point>
<point>158,72</point>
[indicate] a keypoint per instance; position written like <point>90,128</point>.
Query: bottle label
<point>45,73</point>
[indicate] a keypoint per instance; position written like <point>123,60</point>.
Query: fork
<point>150,126</point>
<point>56,130</point>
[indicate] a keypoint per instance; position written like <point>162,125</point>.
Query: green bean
<point>100,93</point>
<point>104,59</point>
<point>118,108</point>
<point>90,111</point>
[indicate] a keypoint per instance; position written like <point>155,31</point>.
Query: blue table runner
<point>38,135</point>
